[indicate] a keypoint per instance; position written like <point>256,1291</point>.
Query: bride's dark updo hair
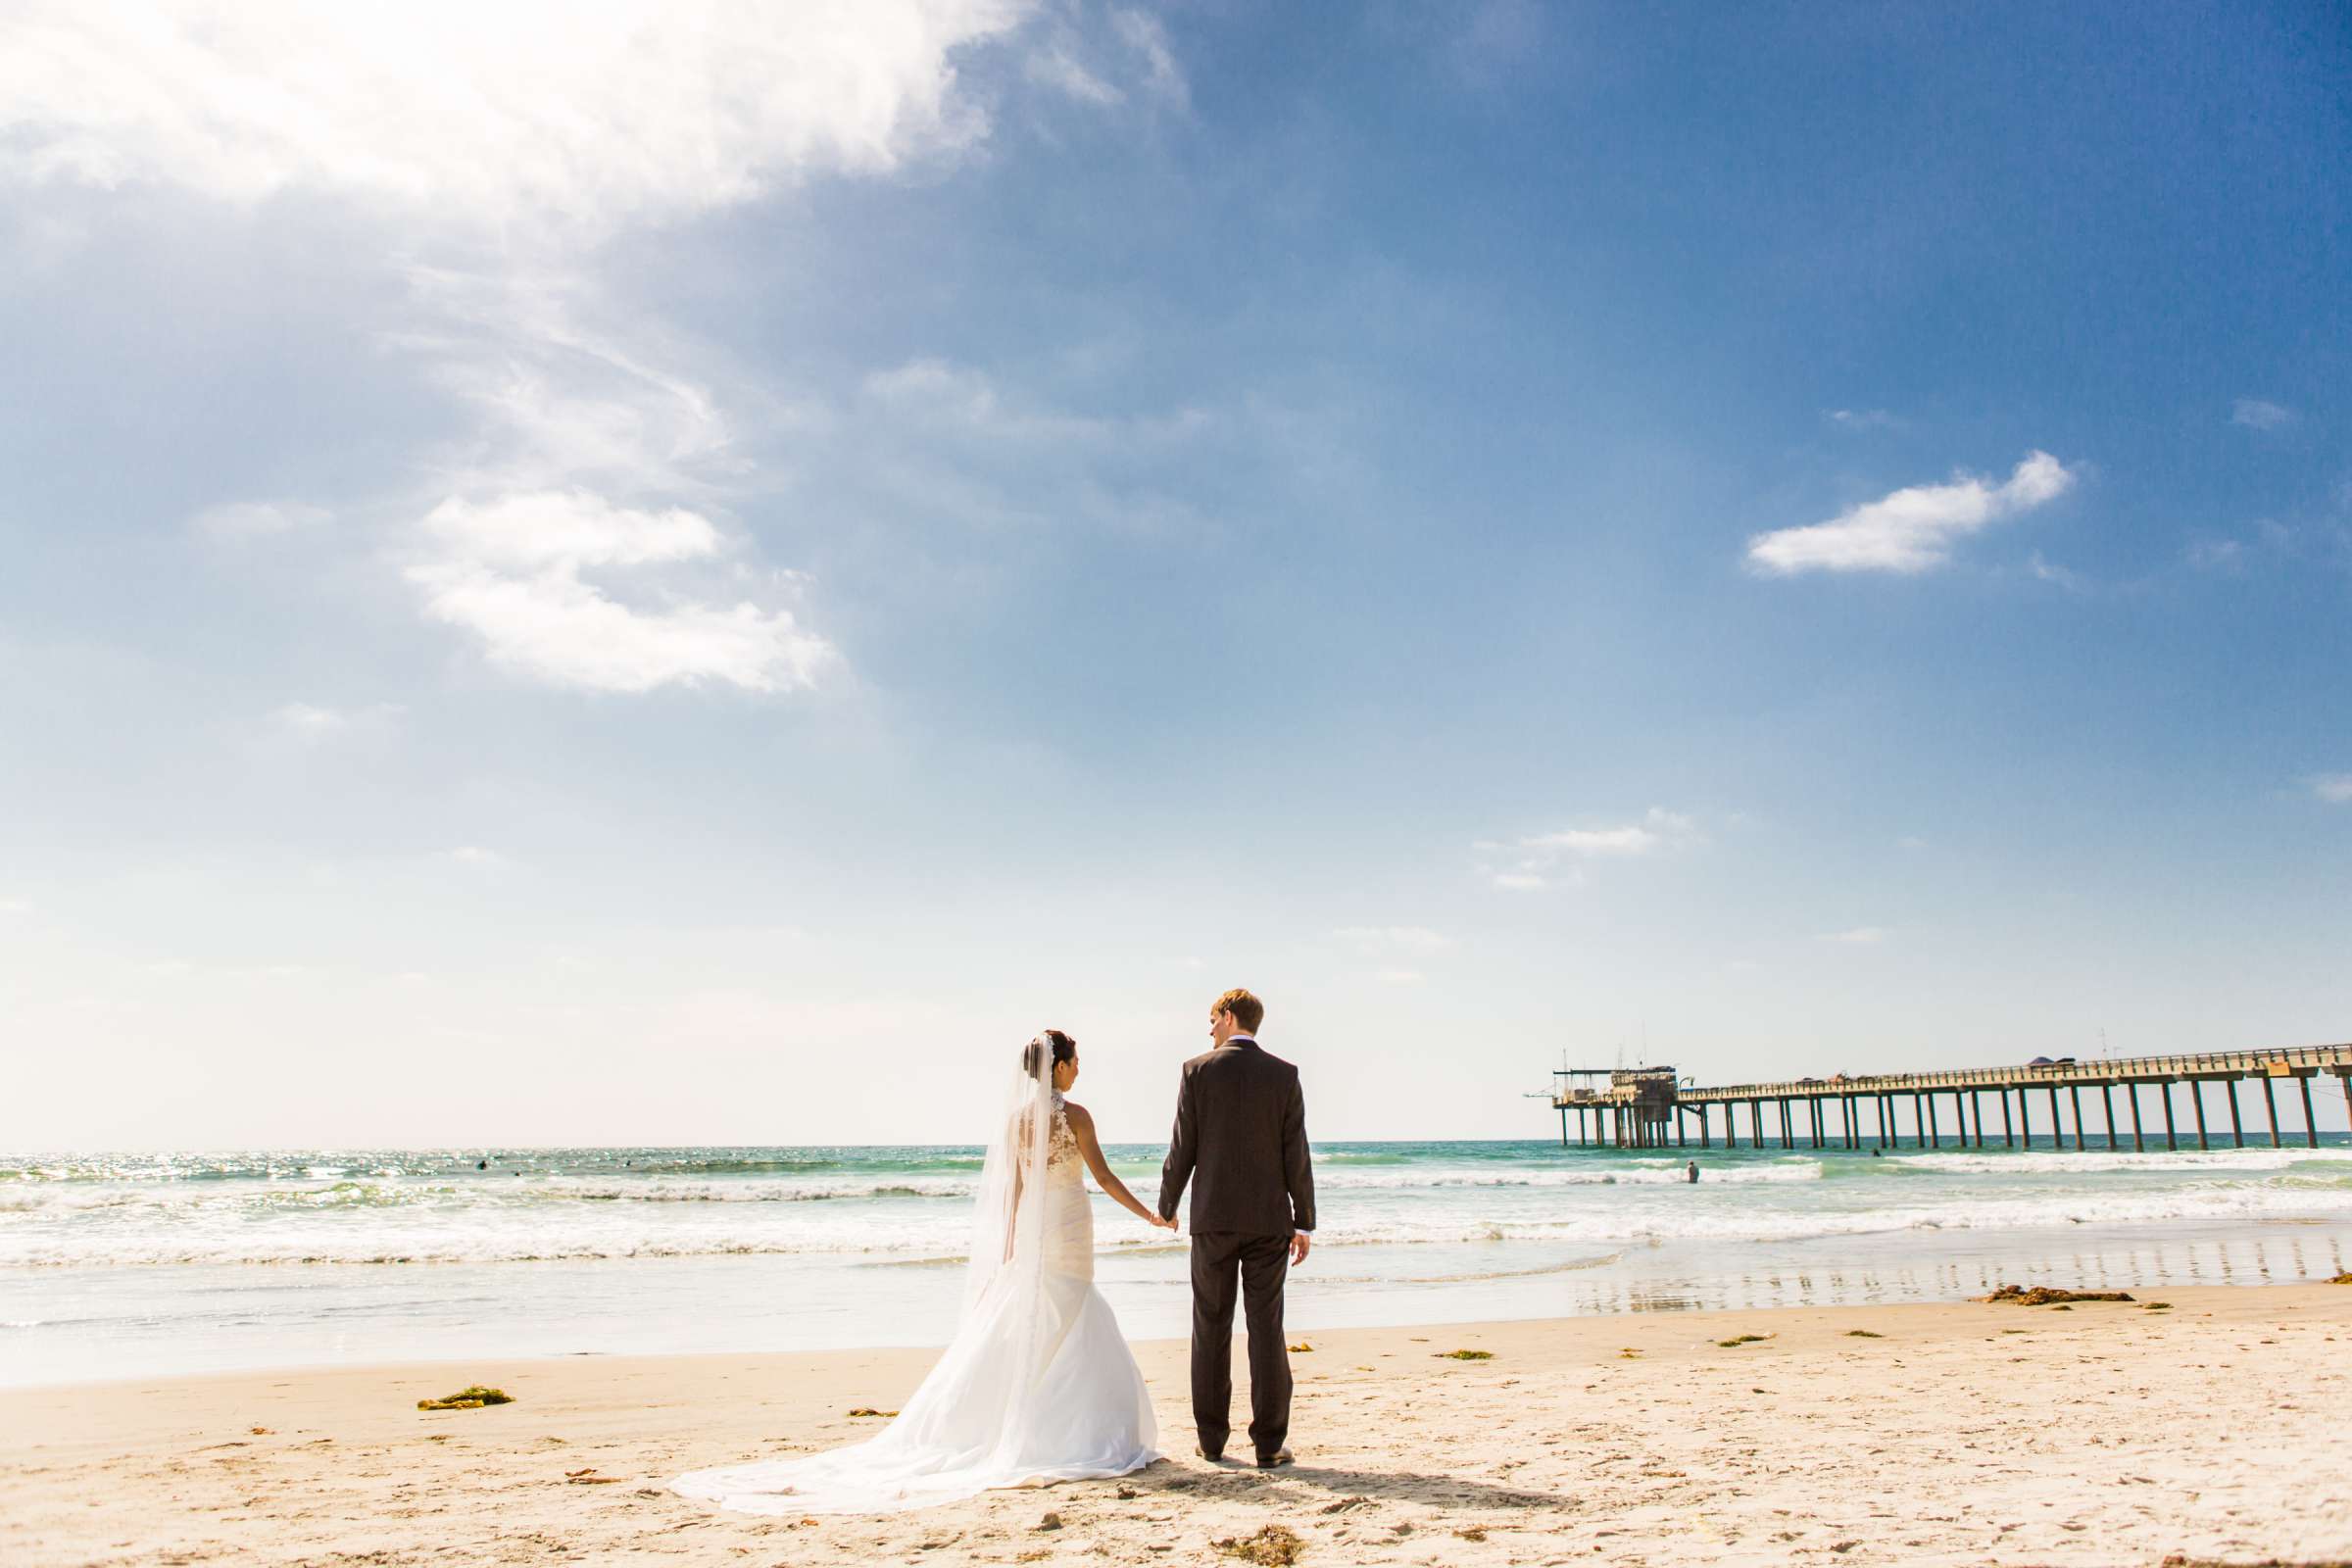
<point>1053,1043</point>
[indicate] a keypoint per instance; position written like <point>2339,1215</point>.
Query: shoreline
<point>1889,1433</point>
<point>172,1322</point>
<point>826,1356</point>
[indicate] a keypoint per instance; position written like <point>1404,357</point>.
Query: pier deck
<point>1650,1108</point>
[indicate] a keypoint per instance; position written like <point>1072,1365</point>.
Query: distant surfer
<point>1691,1171</point>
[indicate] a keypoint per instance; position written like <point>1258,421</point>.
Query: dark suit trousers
<point>1260,1263</point>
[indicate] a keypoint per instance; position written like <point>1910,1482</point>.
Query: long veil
<point>976,1423</point>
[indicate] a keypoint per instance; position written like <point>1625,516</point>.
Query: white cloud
<point>1912,529</point>
<point>450,111</point>
<point>937,388</point>
<point>1402,977</point>
<point>15,907</point>
<point>1083,66</point>
<point>576,528</point>
<point>1059,67</point>
<point>943,396</point>
<point>2048,572</point>
<point>304,719</point>
<point>475,854</point>
<point>254,519</point>
<point>2217,555</point>
<point>310,721</point>
<point>1658,829</point>
<point>2255,413</point>
<point>1861,418</point>
<point>1543,854</point>
<point>565,531</point>
<point>570,389</point>
<point>511,571</point>
<point>529,550</point>
<point>1861,936</point>
<point>2334,788</point>
<point>1394,938</point>
<point>1143,34</point>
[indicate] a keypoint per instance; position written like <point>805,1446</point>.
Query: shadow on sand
<point>1292,1482</point>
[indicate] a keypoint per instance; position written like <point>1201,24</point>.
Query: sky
<point>696,572</point>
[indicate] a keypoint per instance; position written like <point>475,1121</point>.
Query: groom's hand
<point>1300,1241</point>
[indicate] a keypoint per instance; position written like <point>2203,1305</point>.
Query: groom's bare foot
<point>1275,1460</point>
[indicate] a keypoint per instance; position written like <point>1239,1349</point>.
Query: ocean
<point>143,1265</point>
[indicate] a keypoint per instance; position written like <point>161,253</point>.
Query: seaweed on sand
<point>470,1397</point>
<point>1273,1547</point>
<point>2047,1294</point>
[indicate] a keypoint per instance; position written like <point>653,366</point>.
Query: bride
<point>1038,1385</point>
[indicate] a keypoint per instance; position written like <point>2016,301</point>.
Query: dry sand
<point>2221,1429</point>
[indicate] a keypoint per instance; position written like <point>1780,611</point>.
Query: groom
<point>1241,1125</point>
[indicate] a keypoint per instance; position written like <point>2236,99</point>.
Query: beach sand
<point>2221,1429</point>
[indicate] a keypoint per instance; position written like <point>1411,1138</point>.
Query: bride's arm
<point>1090,1147</point>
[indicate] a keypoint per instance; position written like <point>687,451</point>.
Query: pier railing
<point>1651,1108</point>
<point>2147,1069</point>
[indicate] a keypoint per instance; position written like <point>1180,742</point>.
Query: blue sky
<point>698,576</point>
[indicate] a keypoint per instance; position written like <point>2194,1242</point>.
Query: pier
<point>1650,1108</point>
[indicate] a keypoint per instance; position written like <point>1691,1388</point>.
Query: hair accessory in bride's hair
<point>1048,1051</point>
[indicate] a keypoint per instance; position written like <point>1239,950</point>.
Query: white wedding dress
<point>1038,1385</point>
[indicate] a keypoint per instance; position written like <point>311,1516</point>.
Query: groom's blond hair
<point>1246,1009</point>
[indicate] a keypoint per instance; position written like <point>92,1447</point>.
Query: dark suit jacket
<point>1240,1140</point>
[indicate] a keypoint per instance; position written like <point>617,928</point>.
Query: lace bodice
<point>1062,1144</point>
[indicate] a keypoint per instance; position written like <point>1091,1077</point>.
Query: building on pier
<point>1650,1108</point>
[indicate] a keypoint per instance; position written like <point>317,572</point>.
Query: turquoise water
<point>140,1264</point>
